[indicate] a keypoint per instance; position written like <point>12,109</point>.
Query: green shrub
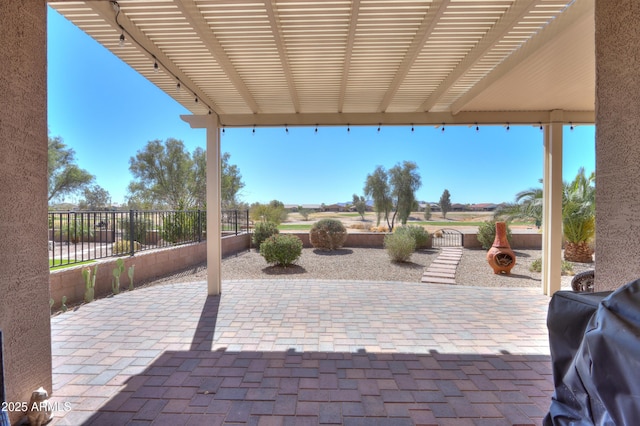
<point>140,227</point>
<point>487,234</point>
<point>180,225</point>
<point>272,212</point>
<point>262,231</point>
<point>536,265</point>
<point>123,247</point>
<point>399,246</point>
<point>281,249</point>
<point>418,233</point>
<point>566,268</point>
<point>327,234</point>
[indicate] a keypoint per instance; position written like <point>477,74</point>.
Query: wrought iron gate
<point>447,237</point>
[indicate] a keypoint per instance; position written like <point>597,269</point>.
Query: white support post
<point>214,233</point>
<point>552,217</point>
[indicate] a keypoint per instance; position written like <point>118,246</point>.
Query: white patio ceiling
<point>303,62</point>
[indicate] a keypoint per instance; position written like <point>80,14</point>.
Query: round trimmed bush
<point>327,234</point>
<point>281,249</point>
<point>487,234</point>
<point>399,246</point>
<point>262,231</point>
<point>418,233</point>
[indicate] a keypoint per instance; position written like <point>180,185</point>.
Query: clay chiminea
<point>500,256</point>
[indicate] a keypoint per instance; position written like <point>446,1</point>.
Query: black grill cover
<point>595,350</point>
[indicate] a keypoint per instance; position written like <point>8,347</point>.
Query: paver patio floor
<point>271,352</point>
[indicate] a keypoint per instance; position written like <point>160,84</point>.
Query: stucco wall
<point>617,142</point>
<point>24,274</point>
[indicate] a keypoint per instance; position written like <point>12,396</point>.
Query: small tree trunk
<point>578,252</point>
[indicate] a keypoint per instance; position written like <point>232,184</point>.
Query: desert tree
<point>167,175</point>
<point>377,187</point>
<point>404,181</point>
<point>65,176</point>
<point>360,204</point>
<point>95,198</point>
<point>445,203</point>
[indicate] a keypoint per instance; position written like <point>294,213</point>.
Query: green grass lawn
<point>57,264</point>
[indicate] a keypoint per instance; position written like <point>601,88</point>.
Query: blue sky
<point>106,112</point>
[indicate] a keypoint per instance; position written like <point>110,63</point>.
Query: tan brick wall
<point>148,265</point>
<point>24,286</point>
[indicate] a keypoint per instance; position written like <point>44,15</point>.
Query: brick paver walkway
<point>443,269</point>
<point>280,352</point>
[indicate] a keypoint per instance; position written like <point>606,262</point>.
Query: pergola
<point>362,62</point>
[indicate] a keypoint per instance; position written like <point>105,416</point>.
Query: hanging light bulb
<point>196,99</point>
<point>254,129</point>
<point>379,125</point>
<point>508,127</point>
<point>477,127</point>
<point>571,126</point>
<point>442,127</point>
<point>155,66</point>
<point>540,125</point>
<point>286,129</point>
<point>178,86</point>
<point>121,40</point>
<point>316,131</point>
<point>412,129</point>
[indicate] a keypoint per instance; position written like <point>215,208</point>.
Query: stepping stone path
<point>443,269</point>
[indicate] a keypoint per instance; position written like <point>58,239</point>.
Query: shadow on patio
<point>305,352</point>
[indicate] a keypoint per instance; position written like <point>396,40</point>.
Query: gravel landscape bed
<point>373,264</point>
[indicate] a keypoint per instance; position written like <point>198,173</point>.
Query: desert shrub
<point>418,233</point>
<point>272,212</point>
<point>362,226</point>
<point>381,228</point>
<point>487,234</point>
<point>141,225</point>
<point>399,246</point>
<point>327,234</point>
<point>281,249</point>
<point>566,268</point>
<point>180,225</point>
<point>262,231</point>
<point>123,247</point>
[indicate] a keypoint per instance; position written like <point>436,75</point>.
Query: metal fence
<point>80,236</point>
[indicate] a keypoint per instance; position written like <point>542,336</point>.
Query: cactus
<point>89,283</point>
<point>63,306</point>
<point>117,271</point>
<point>130,274</point>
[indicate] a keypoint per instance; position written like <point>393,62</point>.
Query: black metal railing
<point>81,236</point>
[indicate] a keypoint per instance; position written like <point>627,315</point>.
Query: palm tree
<point>578,214</point>
<point>579,217</point>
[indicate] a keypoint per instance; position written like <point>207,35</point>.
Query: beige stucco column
<point>214,233</point>
<point>617,143</point>
<point>552,205</point>
<point>24,270</point>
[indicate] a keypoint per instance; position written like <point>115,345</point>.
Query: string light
<point>316,131</point>
<point>286,128</point>
<point>412,129</point>
<point>254,129</point>
<point>540,125</point>
<point>178,86</point>
<point>477,127</point>
<point>379,125</point>
<point>571,126</point>
<point>508,127</point>
<point>223,129</point>
<point>156,63</point>
<point>442,127</point>
<point>348,128</point>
